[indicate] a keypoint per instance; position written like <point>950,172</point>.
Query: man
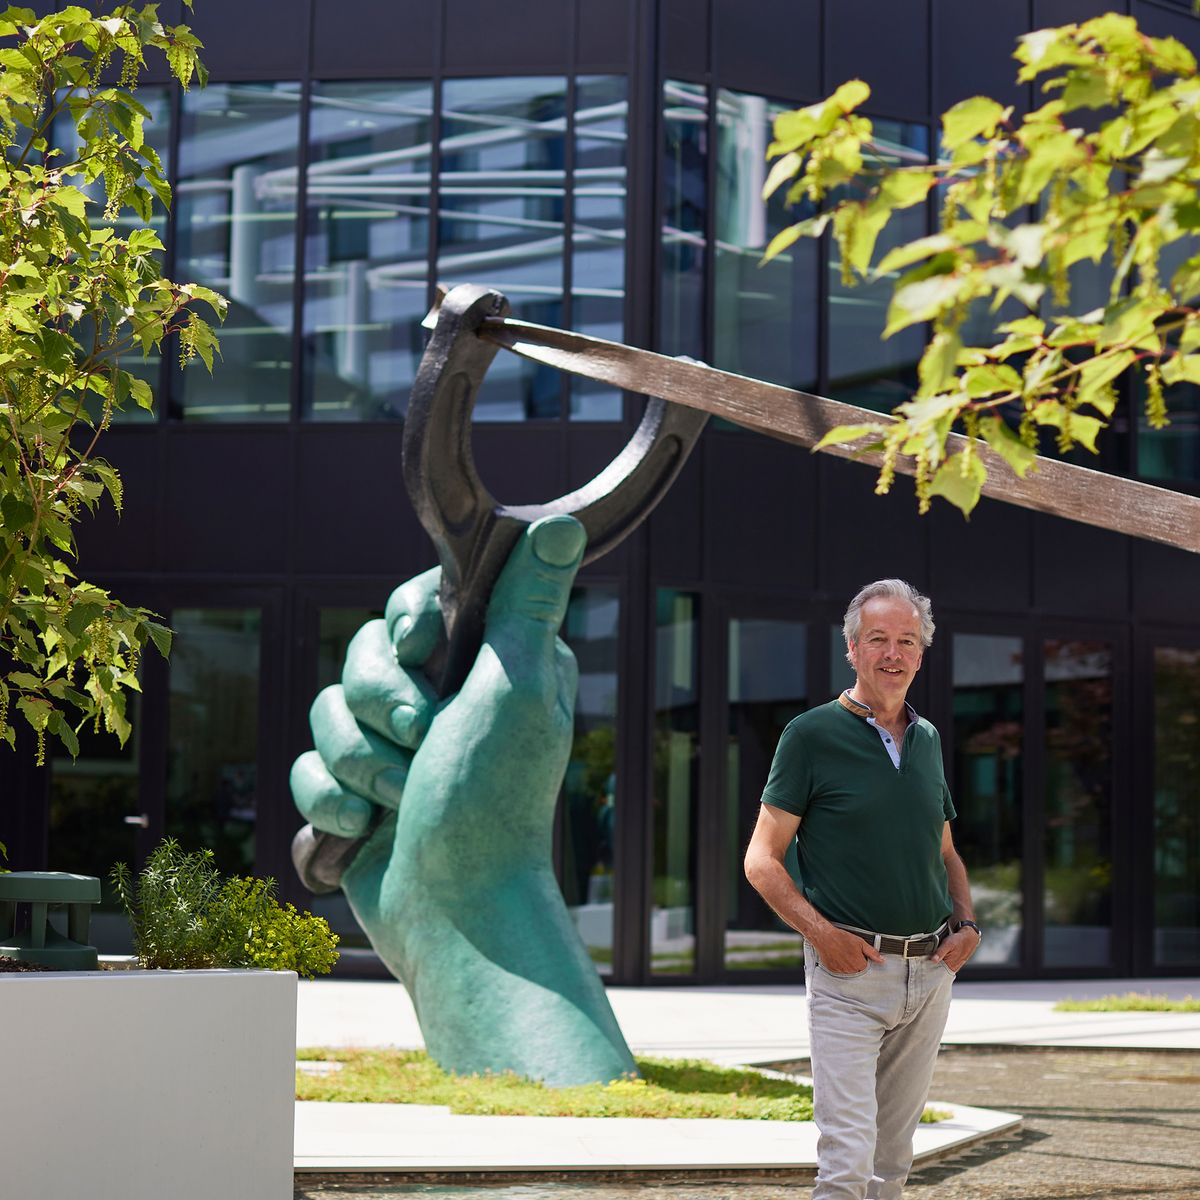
<point>884,904</point>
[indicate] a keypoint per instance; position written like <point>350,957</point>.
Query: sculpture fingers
<point>530,598</point>
<point>358,757</point>
<point>392,700</point>
<point>414,619</point>
<point>324,802</point>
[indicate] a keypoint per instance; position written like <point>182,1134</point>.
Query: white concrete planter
<point>140,1085</point>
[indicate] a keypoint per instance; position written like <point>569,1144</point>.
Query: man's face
<point>887,655</point>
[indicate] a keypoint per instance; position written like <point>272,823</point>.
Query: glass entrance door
<point>766,686</point>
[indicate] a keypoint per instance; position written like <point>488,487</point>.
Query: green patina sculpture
<point>455,885</point>
<point>454,717</point>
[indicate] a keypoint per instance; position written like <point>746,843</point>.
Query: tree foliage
<point>1105,170</point>
<point>74,298</point>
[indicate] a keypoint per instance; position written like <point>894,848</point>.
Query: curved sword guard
<point>473,533</point>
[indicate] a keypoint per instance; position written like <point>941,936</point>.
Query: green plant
<point>668,1088</point>
<point>183,915</point>
<point>1130,1002</point>
<point>1105,171</point>
<point>80,291</point>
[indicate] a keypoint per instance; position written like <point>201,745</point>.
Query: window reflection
<point>767,665</point>
<point>90,797</point>
<point>366,247</point>
<point>501,206</point>
<point>676,784</point>
<point>589,793</point>
<point>1078,803</point>
<point>212,740</point>
<point>598,232</point>
<point>988,752</point>
<point>863,368</point>
<point>765,316</point>
<point>236,232</point>
<point>684,218</point>
<point>1176,806</point>
<point>336,626</point>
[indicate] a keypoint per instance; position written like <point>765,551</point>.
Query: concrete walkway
<point>724,1024</point>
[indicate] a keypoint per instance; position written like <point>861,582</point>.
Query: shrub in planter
<point>183,915</point>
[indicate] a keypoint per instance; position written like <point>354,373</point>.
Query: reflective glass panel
<point>676,783</point>
<point>212,737</point>
<point>90,798</point>
<point>1078,803</point>
<point>841,673</point>
<point>236,231</point>
<point>1176,806</point>
<point>988,749</point>
<point>366,248</point>
<point>598,233</point>
<point>500,215</point>
<point>863,368</point>
<point>684,218</point>
<point>767,670</point>
<point>589,793</point>
<point>336,626</point>
<point>1172,452</point>
<point>765,322</point>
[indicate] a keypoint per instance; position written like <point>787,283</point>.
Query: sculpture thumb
<point>531,595</point>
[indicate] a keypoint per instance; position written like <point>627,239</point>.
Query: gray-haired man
<point>884,903</point>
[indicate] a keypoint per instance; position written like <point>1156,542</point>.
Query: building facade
<point>602,166</point>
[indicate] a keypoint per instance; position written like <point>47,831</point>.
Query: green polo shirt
<point>870,836</point>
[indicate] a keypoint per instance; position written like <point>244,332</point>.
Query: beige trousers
<point>874,1038</point>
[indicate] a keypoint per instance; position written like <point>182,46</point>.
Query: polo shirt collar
<point>859,709</point>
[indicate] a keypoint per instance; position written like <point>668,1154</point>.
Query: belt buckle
<point>909,941</point>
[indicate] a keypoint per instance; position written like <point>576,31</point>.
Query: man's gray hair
<point>887,588</point>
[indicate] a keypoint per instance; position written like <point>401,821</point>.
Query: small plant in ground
<point>183,915</point>
<point>1130,1002</point>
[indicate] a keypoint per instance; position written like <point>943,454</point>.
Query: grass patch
<point>1130,1002</point>
<point>668,1088</point>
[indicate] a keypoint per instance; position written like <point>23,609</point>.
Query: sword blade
<point>1050,486</point>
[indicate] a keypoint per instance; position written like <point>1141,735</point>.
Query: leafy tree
<point>1106,170</point>
<point>74,298</point>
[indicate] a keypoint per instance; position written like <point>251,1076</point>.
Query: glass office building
<point>602,166</point>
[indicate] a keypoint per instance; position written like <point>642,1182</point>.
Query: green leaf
<point>960,480</point>
<point>161,636</point>
<point>1005,442</point>
<point>972,118</point>
<point>1182,368</point>
<point>1081,429</point>
<point>991,379</point>
<point>780,172</point>
<point>841,434</point>
<point>813,227</point>
<point>914,251</point>
<point>921,301</point>
<point>937,366</point>
<point>1096,373</point>
<point>906,186</point>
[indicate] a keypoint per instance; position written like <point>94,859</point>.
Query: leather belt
<point>920,946</point>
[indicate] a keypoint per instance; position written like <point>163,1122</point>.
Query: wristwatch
<point>970,925</point>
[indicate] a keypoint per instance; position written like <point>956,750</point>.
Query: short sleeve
<point>790,781</point>
<point>948,809</point>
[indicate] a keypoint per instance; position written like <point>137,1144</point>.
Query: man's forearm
<point>770,879</point>
<point>960,889</point>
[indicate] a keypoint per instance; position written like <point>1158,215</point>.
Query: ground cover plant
<point>1130,1002</point>
<point>668,1088</point>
